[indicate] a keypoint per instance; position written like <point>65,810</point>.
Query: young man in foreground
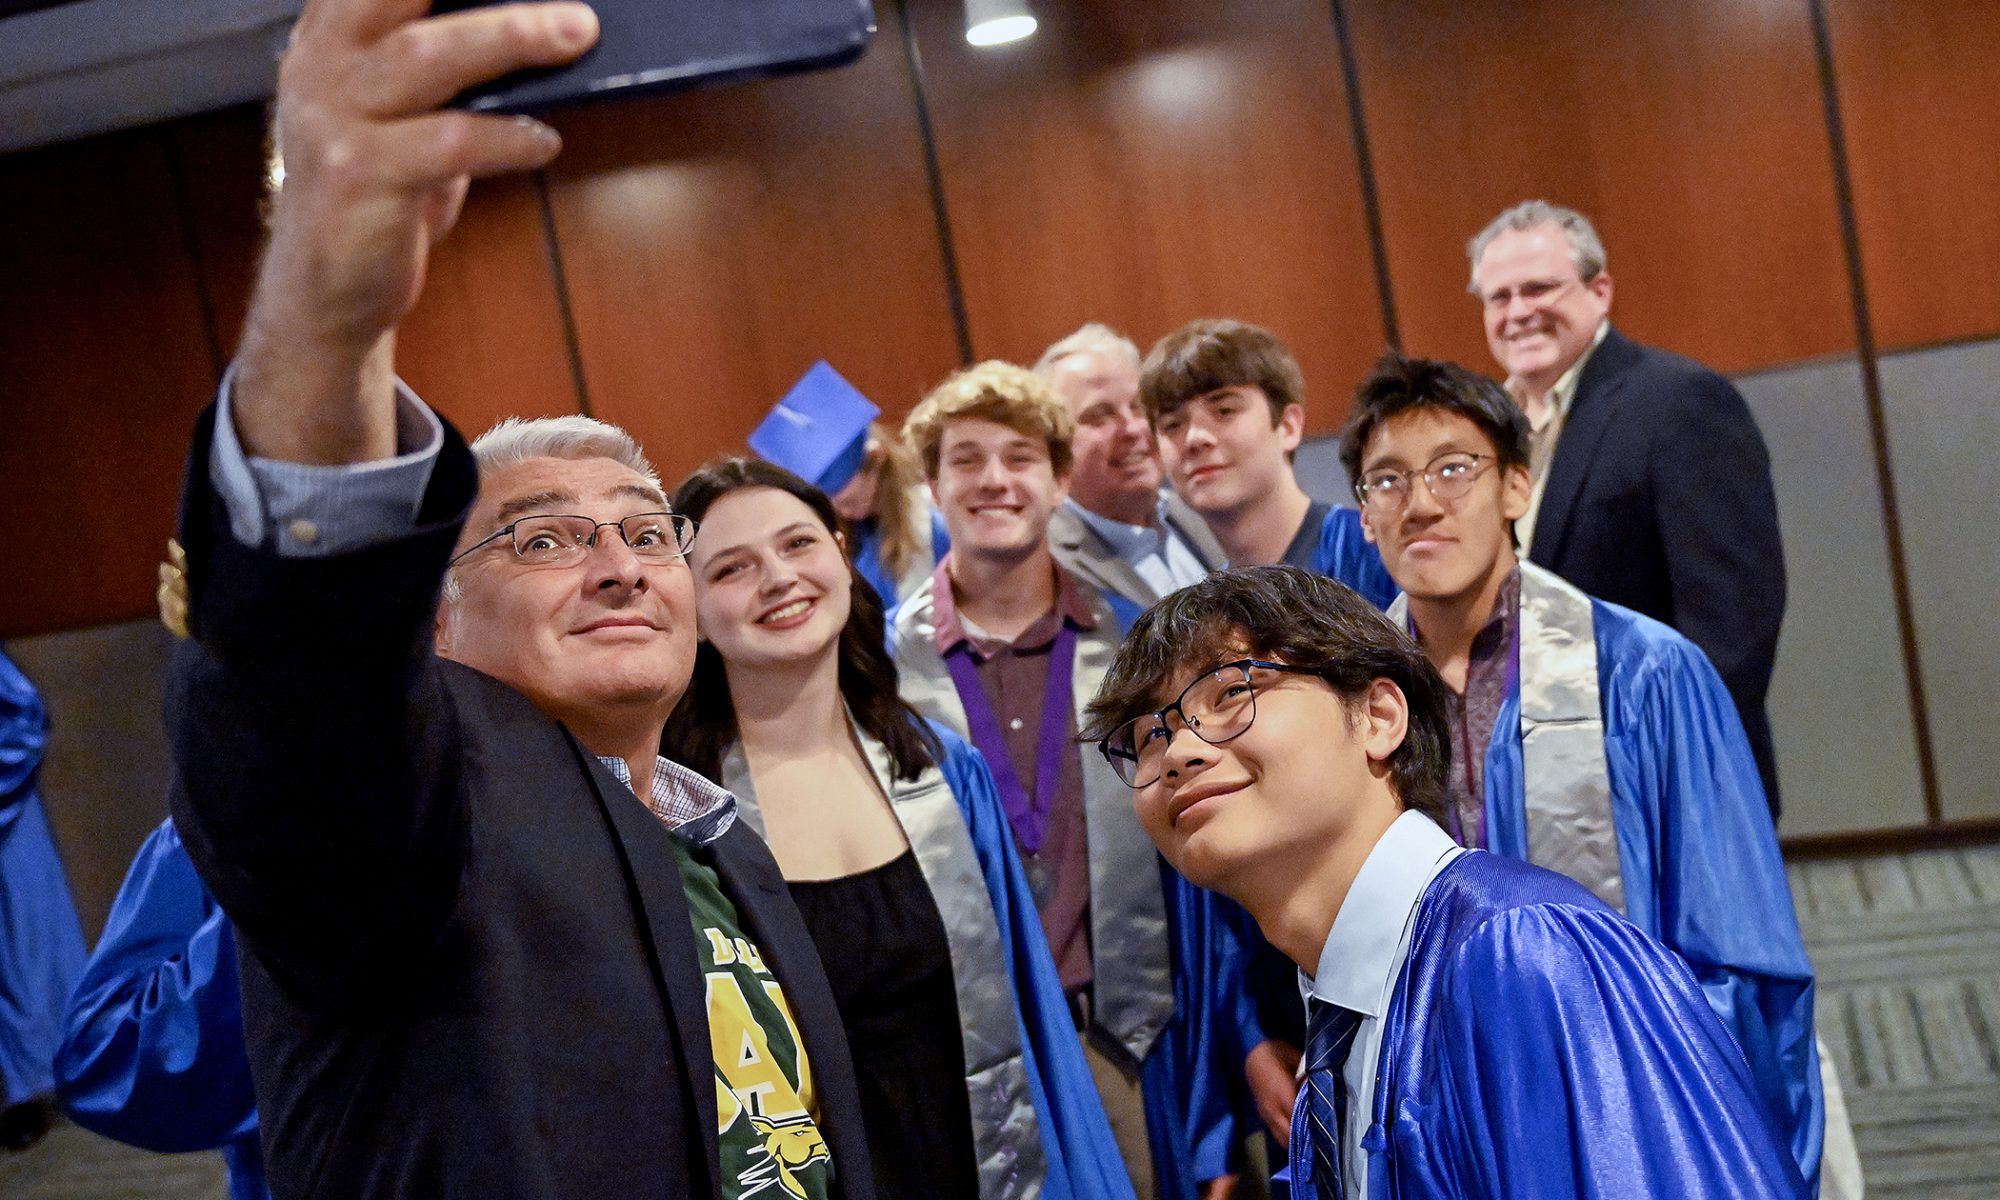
<point>1500,1031</point>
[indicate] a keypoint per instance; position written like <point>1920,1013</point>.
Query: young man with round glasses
<point>1478,1027</point>
<point>1585,738</point>
<point>492,943</point>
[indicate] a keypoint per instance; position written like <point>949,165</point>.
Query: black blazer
<point>468,964</point>
<point>1660,499</point>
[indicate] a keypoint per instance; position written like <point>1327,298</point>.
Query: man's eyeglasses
<point>1215,708</point>
<point>565,539</point>
<point>1535,293</point>
<point>1448,476</point>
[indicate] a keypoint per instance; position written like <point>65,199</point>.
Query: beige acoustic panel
<point>1943,408</point>
<point>104,772</point>
<point>1839,703</point>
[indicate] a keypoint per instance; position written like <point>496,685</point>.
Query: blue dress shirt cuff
<point>304,511</point>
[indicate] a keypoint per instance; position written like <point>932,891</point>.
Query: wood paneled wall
<point>1146,164</point>
<point>1919,85</point>
<point>1142,164</point>
<point>717,244</point>
<point>1692,134</point>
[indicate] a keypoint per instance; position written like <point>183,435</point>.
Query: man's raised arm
<point>375,174</point>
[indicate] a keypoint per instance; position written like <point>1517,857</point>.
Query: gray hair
<point>1090,337</point>
<point>516,440</point>
<point>1586,249</point>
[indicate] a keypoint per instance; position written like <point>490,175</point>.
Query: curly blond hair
<point>992,391</point>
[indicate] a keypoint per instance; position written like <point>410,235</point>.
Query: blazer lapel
<point>1590,415</point>
<point>654,879</point>
<point>1085,553</point>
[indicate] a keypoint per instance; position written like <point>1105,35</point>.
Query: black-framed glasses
<point>1448,476</point>
<point>564,538</point>
<point>1215,707</point>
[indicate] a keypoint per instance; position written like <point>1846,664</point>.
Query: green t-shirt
<point>766,1113</point>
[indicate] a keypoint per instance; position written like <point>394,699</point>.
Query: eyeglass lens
<point>1215,708</point>
<point>557,538</point>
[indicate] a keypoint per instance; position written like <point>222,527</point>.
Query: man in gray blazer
<point>1120,530</point>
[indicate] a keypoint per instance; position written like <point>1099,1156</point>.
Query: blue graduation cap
<point>819,431</point>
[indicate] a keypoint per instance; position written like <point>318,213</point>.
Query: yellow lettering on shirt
<point>743,1057</point>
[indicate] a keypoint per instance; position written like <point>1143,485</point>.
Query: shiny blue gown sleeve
<point>1076,1135</point>
<point>1193,1081</point>
<point>1681,768</point>
<point>1347,556</point>
<point>1575,1057</point>
<point>41,940</point>
<point>152,1051</point>
<point>1697,852</point>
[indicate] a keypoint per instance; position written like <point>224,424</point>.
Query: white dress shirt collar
<point>1360,958</point>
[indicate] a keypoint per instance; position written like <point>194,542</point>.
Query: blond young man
<point>1006,648</point>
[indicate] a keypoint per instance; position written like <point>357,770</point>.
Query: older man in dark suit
<point>492,943</point>
<point>1652,484</point>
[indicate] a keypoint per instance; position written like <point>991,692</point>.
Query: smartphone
<point>649,46</point>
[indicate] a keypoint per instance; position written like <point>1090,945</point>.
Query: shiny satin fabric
<point>1132,988</point>
<point>1696,852</point>
<point>1688,842</point>
<point>153,1051</point>
<point>1005,1129</point>
<point>41,941</point>
<point>1570,826</point>
<point>1540,1045</point>
<point>1567,806</point>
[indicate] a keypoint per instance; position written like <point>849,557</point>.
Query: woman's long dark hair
<point>704,722</point>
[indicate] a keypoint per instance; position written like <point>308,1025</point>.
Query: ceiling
<point>72,68</point>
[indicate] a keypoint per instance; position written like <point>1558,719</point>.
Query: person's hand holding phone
<point>375,171</point>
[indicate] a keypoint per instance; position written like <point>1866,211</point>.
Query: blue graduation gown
<point>1696,850</point>
<point>1082,1155</point>
<point>41,941</point>
<point>152,1051</point>
<point>1346,555</point>
<point>1540,1045</point>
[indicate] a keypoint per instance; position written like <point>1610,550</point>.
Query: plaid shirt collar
<point>695,810</point>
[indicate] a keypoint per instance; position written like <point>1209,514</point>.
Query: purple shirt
<point>1015,675</point>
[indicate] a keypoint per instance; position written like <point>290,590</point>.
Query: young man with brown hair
<point>1228,402</point>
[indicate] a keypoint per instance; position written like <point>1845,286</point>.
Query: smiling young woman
<point>890,834</point>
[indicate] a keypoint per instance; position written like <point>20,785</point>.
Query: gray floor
<point>1907,948</point>
<point>1908,953</point>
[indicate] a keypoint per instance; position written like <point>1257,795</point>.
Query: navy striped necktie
<point>1330,1031</point>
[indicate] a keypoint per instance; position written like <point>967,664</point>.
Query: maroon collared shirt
<point>1014,675</point>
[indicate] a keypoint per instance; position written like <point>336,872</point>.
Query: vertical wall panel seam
<point>947,247</point>
<point>191,243</point>
<point>1878,424</point>
<point>561,280</point>
<point>1364,169</point>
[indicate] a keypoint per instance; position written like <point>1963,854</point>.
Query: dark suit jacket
<point>1083,552</point>
<point>1660,499</point>
<point>468,964</point>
